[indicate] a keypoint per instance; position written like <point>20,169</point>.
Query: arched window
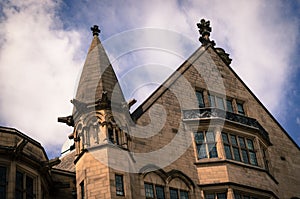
<point>116,135</point>
<point>178,189</point>
<point>154,186</point>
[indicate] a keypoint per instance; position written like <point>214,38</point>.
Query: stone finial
<point>95,30</point>
<point>205,30</point>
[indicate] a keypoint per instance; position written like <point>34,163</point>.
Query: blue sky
<point>43,46</point>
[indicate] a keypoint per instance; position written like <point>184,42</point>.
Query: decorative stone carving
<point>204,30</point>
<point>98,128</point>
<point>210,113</point>
<point>67,120</point>
<point>224,56</point>
<point>80,106</point>
<point>95,30</point>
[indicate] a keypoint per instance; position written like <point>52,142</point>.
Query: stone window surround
<point>179,192</point>
<point>240,148</point>
<point>215,195</point>
<point>25,177</point>
<point>166,190</point>
<point>206,144</point>
<point>241,195</point>
<point>234,101</point>
<point>120,184</point>
<point>154,189</point>
<point>11,169</point>
<point>231,189</point>
<point>258,145</point>
<point>165,179</point>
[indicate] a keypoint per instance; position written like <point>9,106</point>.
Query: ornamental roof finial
<point>205,30</point>
<point>95,30</point>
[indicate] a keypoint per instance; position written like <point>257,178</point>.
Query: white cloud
<point>298,121</point>
<point>37,72</point>
<point>39,59</point>
<point>254,33</point>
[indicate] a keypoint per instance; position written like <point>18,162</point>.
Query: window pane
<point>160,194</point>
<point>212,102</point>
<point>117,137</point>
<point>212,151</point>
<point>149,191</point>
<point>228,152</point>
<point>236,154</point>
<point>209,196</point>
<point>253,160</point>
<point>2,175</point>
<point>229,105</point>
<point>2,192</point>
<point>82,189</point>
<point>184,194</point>
<point>202,151</point>
<point>119,185</point>
<point>225,138</point>
<point>19,185</point>
<point>245,156</point>
<point>221,195</point>
<point>199,96</point>
<point>210,137</point>
<point>242,142</point>
<point>29,187</point>
<point>233,140</point>
<point>250,144</point>
<point>173,194</point>
<point>237,196</point>
<point>111,135</point>
<point>199,137</point>
<point>240,108</point>
<point>2,182</point>
<point>220,103</point>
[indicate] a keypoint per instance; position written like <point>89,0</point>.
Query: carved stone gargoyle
<point>67,120</point>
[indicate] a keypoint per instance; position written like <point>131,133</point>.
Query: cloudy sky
<point>43,46</point>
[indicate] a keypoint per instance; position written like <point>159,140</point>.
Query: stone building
<point>201,134</point>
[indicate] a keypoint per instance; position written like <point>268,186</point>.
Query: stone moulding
<point>212,113</point>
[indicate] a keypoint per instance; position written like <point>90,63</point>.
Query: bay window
<point>239,148</point>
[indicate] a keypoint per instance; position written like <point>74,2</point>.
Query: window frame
<point>216,99</point>
<point>120,184</point>
<point>215,194</point>
<point>208,146</point>
<point>24,190</point>
<point>242,195</point>
<point>235,147</point>
<point>239,105</point>
<point>154,190</point>
<point>200,99</point>
<point>178,193</point>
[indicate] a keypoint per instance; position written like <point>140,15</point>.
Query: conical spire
<point>98,79</point>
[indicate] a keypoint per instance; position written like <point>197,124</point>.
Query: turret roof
<point>98,76</point>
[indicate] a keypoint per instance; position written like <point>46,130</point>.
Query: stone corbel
<point>20,146</point>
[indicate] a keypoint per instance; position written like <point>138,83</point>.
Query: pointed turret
<point>100,109</point>
<point>98,84</point>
